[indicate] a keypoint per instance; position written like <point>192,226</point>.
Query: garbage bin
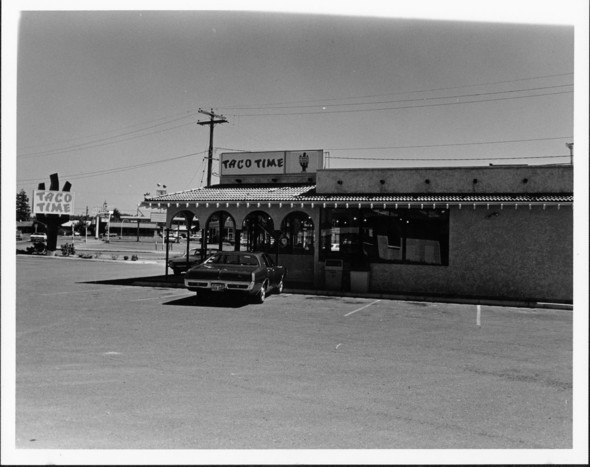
<point>333,271</point>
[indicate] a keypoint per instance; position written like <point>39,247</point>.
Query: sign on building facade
<point>270,162</point>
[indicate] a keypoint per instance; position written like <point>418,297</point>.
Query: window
<point>340,230</point>
<point>415,236</point>
<point>257,231</point>
<point>268,261</point>
<point>297,235</point>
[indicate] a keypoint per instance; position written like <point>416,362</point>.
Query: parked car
<point>172,238</point>
<point>253,274</point>
<point>195,256</point>
<point>38,237</point>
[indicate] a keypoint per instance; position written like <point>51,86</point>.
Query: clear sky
<point>109,99</point>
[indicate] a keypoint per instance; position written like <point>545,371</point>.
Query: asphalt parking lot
<point>108,366</point>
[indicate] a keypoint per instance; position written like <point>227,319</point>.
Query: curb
<point>76,258</point>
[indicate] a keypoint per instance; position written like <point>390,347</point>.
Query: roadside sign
<point>53,202</point>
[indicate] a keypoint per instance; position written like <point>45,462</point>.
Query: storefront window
<point>297,235</point>
<point>257,232</point>
<point>340,233</point>
<point>417,236</point>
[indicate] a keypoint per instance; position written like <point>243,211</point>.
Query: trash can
<point>333,271</point>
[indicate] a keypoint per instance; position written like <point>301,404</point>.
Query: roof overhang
<point>305,196</point>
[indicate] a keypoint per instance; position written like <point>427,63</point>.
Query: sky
<point>110,99</point>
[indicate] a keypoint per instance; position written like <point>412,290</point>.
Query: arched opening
<point>257,232</point>
<point>220,232</point>
<point>184,226</point>
<point>297,235</point>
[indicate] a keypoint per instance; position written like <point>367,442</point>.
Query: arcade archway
<point>257,232</point>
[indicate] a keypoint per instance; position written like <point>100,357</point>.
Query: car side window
<point>247,260</point>
<point>214,259</point>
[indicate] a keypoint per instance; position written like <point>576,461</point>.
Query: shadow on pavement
<point>222,300</point>
<point>147,281</point>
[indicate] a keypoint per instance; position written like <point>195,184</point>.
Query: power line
<point>100,143</point>
<point>407,92</point>
<point>133,134</point>
<point>119,169</point>
<point>169,119</point>
<point>417,99</point>
<point>325,112</point>
<point>491,158</point>
<point>415,146</point>
<point>449,144</point>
<point>186,114</point>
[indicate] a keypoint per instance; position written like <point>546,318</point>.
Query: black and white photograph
<point>295,232</point>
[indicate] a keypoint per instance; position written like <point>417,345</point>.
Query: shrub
<point>125,257</point>
<point>114,257</point>
<point>68,249</point>
<point>134,258</point>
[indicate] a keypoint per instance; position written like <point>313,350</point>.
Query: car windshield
<point>233,259</point>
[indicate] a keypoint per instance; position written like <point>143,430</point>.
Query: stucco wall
<point>514,179</point>
<point>517,254</point>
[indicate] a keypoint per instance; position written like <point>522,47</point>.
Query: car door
<point>271,270</point>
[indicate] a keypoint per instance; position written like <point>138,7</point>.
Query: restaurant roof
<point>306,194</point>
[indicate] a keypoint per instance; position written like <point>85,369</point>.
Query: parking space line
<point>361,308</point>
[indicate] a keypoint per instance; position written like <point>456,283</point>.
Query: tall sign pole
<point>214,119</point>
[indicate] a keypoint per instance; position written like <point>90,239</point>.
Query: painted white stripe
<point>361,308</point>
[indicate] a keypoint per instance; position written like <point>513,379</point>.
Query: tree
<point>23,209</point>
<point>116,215</point>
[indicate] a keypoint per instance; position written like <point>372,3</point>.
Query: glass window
<point>297,234</point>
<point>257,230</point>
<point>340,233</point>
<point>419,236</point>
<point>268,261</point>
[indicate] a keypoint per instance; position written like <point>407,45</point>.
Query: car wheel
<point>261,296</point>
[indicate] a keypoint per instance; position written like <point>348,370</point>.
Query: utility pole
<point>570,146</point>
<point>212,122</point>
